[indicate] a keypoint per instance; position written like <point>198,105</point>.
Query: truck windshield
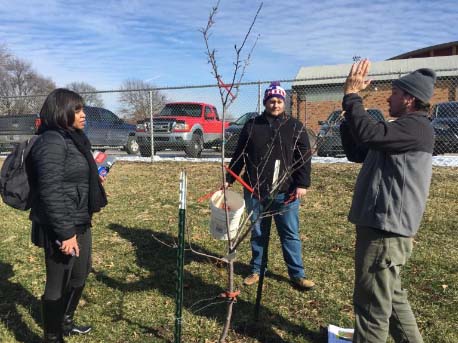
<point>188,110</point>
<point>334,116</point>
<point>247,116</point>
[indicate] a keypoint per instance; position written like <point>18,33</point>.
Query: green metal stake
<point>262,272</point>
<point>180,256</point>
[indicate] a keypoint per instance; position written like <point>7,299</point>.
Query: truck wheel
<point>228,153</point>
<point>439,149</point>
<point>145,151</point>
<point>312,139</point>
<point>194,149</point>
<point>132,146</point>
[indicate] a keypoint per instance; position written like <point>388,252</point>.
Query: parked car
<point>444,119</point>
<point>188,126</point>
<point>232,133</point>
<point>16,128</point>
<point>105,130</point>
<point>328,141</point>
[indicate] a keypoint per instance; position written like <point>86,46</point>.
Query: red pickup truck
<point>188,126</point>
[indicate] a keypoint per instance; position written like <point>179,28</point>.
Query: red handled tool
<point>239,179</point>
<point>205,196</point>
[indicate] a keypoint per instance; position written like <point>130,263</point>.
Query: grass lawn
<point>130,295</point>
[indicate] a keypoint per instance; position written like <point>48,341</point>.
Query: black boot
<point>52,314</point>
<point>68,325</point>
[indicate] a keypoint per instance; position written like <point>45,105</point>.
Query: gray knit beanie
<point>419,84</point>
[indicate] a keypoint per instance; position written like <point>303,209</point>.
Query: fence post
<point>151,124</point>
<point>180,256</point>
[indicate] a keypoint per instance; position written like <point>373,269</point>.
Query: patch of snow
<point>157,158</point>
<point>445,161</point>
<point>438,161</point>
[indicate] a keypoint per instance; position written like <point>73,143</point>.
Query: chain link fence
<point>317,102</point>
<point>189,119</point>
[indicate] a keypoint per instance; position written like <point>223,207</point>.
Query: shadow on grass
<point>11,295</point>
<point>160,260</point>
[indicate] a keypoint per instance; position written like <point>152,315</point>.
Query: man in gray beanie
<point>389,198</point>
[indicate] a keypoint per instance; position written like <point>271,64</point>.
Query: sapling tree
<point>228,93</point>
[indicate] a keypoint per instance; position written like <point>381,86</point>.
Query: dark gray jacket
<point>393,184</point>
<point>60,185</point>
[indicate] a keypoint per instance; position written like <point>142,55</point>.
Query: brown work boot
<point>251,279</point>
<point>302,283</point>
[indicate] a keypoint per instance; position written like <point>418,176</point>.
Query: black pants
<point>64,272</point>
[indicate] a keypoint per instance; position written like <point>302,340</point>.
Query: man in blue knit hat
<point>274,151</point>
<point>389,198</point>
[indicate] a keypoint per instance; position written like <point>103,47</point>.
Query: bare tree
<point>228,93</point>
<point>135,99</point>
<point>88,92</point>
<point>4,80</point>
<point>4,58</point>
<point>18,83</point>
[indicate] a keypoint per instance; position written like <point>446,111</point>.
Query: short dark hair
<point>422,106</point>
<point>419,104</point>
<point>58,110</point>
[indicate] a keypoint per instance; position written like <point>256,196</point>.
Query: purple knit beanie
<point>274,90</point>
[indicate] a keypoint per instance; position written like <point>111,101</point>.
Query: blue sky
<point>106,42</point>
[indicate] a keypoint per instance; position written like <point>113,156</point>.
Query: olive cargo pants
<point>380,303</point>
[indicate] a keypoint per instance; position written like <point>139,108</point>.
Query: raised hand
<point>356,79</point>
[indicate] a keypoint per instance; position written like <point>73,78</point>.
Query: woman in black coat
<point>66,191</point>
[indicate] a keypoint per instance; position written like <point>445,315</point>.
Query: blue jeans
<point>287,222</point>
